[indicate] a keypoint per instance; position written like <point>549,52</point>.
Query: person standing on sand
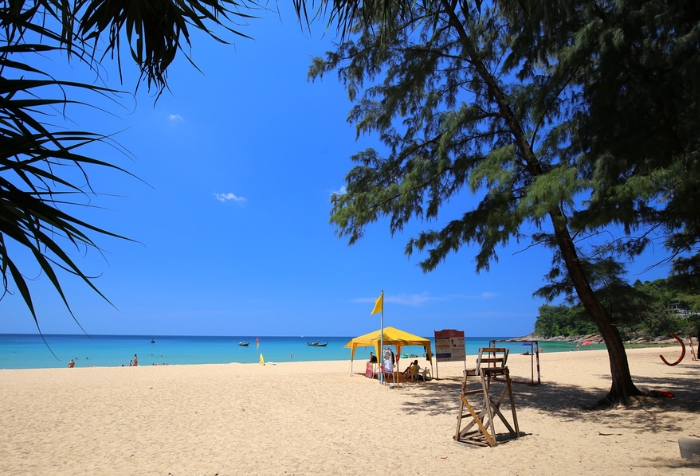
<point>136,360</point>
<point>71,364</point>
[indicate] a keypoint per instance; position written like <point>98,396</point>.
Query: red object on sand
<point>661,393</point>
<point>588,342</point>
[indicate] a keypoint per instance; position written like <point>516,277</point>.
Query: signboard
<point>449,346</point>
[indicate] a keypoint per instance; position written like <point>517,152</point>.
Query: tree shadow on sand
<point>575,403</point>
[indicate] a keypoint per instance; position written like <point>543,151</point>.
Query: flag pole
<point>379,307</point>
<point>381,340</point>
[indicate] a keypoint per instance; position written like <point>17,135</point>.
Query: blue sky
<point>237,164</point>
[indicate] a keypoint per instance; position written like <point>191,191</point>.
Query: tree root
<point>615,399</point>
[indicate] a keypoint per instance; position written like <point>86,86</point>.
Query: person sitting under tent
<point>414,371</point>
<point>371,368</point>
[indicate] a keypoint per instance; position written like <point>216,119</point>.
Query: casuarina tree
<point>491,99</point>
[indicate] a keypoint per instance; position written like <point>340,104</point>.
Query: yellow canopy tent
<point>392,336</point>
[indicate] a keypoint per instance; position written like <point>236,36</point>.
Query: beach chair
<point>481,408</point>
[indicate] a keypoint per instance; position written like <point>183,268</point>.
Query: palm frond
<point>37,157</point>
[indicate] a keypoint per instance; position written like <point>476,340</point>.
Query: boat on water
<point>243,344</point>
<point>153,341</point>
<point>317,344</point>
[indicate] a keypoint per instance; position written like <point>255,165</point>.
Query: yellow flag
<point>379,305</point>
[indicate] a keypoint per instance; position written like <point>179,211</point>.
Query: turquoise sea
<point>28,351</point>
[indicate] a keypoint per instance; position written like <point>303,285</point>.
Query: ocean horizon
<point>30,351</point>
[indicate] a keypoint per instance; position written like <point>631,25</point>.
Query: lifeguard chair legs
<point>483,419</point>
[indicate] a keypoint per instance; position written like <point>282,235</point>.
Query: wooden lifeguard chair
<point>490,363</point>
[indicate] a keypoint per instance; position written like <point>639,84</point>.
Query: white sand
<point>313,418</point>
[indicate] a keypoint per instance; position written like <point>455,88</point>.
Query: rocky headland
<point>597,339</point>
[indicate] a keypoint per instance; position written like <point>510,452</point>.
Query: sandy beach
<point>314,418</point>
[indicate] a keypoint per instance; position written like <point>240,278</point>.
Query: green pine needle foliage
<point>574,114</point>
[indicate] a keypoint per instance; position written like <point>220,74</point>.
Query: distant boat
<point>317,344</point>
<point>153,341</point>
<point>243,344</point>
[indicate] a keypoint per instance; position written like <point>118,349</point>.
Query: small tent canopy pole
<point>352,357</point>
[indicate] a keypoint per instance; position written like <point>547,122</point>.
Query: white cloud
<point>405,299</point>
<point>418,299</point>
<point>229,197</point>
<point>495,315</point>
<point>409,299</point>
<point>484,295</point>
<point>176,117</point>
<point>341,191</point>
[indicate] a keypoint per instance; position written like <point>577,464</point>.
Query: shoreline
<point>24,352</point>
<point>314,418</point>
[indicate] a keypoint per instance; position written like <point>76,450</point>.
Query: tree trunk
<point>622,385</point>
